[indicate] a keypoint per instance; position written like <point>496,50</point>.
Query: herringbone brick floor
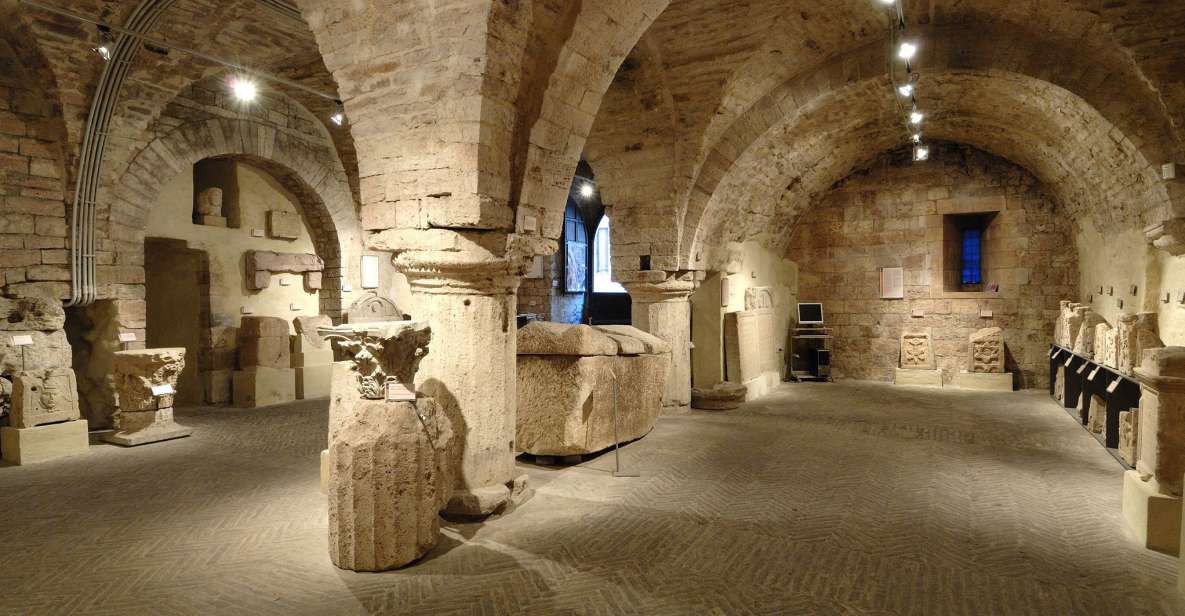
<point>844,498</point>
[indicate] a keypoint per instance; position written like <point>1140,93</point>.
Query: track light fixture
<point>339,115</point>
<point>905,90</point>
<point>921,152</point>
<point>907,50</point>
<point>244,89</point>
<point>106,43</point>
<point>916,117</point>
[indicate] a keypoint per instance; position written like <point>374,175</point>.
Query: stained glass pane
<point>972,261</point>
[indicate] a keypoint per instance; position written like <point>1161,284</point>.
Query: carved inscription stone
<point>1136,333</point>
<point>987,350</point>
<point>916,351</point>
<point>283,225</point>
<point>757,298</point>
<point>44,396</point>
<point>1100,342</point>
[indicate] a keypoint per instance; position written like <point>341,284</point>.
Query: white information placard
<point>162,390</point>
<point>127,336</point>
<point>1113,386</point>
<point>892,283</point>
<point>1069,360</point>
<point>1094,373</point>
<point>398,392</point>
<point>24,340</point>
<point>1082,368</point>
<point>370,272</point>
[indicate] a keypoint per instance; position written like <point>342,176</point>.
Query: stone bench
<point>567,389</point>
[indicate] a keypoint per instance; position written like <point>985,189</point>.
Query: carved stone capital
<point>1167,235</point>
<point>654,286</point>
<point>438,261</point>
<point>383,352</point>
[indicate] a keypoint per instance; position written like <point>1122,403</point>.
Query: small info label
<point>162,390</point>
<point>398,392</point>
<point>25,340</point>
<point>1113,386</point>
<point>1094,373</point>
<point>127,337</point>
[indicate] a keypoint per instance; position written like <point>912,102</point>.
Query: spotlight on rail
<point>907,50</point>
<point>916,117</point>
<point>916,137</point>
<point>339,115</point>
<point>921,152</point>
<point>244,89</point>
<point>106,44</point>
<point>905,90</point>
<point>888,2</point>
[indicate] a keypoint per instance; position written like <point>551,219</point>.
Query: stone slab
<point>1154,518</point>
<point>151,435</point>
<point>986,381</point>
<point>43,443</point>
<point>263,386</point>
<point>313,381</point>
<point>915,377</point>
<point>283,225</point>
<point>269,351</point>
<point>263,327</point>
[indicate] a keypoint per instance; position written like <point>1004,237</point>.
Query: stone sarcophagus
<point>578,385</point>
<point>389,462</point>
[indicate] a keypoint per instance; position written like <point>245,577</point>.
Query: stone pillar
<point>470,304</point>
<point>1152,492</point>
<point>661,306</point>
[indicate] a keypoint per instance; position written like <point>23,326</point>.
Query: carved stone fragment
<point>383,353</point>
<point>145,382</point>
<point>284,225</point>
<point>1136,333</point>
<point>209,202</point>
<point>1100,342</point>
<point>43,397</point>
<point>987,350</point>
<point>261,264</point>
<point>916,351</point>
<point>757,298</point>
<point>371,308</point>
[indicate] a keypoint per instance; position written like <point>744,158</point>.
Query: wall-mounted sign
<point>127,337</point>
<point>370,272</point>
<point>162,390</point>
<point>24,340</point>
<point>892,283</point>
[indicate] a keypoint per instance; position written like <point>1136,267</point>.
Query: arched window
<point>602,263</point>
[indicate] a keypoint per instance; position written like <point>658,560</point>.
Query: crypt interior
<point>592,307</point>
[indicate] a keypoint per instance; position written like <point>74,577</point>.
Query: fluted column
<point>661,306</point>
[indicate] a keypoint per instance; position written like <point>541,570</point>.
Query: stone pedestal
<point>986,381</point>
<point>262,386</point>
<point>1152,492</point>
<point>661,306</point>
<point>922,378</point>
<point>145,382</point>
<point>43,443</point>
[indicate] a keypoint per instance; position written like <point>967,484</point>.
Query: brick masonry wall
<point>32,208</point>
<point>891,216</point>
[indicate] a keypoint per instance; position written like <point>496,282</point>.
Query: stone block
<point>49,350</point>
<point>987,351</point>
<point>1154,517</point>
<point>263,327</point>
<point>720,397</point>
<point>306,332</point>
<point>31,314</point>
<point>262,386</point>
<point>916,377</point>
<point>43,443</point>
<point>284,225</point>
<point>218,386</point>
<point>917,352</point>
<point>313,381</point>
<point>984,381</point>
<point>144,427</point>
<point>212,221</point>
<point>750,350</point>
<point>268,352</point>
<point>43,397</point>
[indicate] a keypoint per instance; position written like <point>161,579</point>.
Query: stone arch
<point>307,170</point>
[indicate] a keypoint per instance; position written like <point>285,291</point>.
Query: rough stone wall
<point>890,216</point>
<point>33,227</point>
<point>534,294</point>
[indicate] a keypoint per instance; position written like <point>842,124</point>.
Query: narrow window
<point>602,263</point>
<point>972,260</point>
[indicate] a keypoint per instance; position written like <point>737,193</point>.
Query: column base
<point>921,378</point>
<point>488,500</point>
<point>1154,518</point>
<point>984,381</point>
<point>150,435</point>
<point>43,443</point>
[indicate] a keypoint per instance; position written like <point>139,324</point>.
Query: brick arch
<point>302,167</point>
<point>1135,123</point>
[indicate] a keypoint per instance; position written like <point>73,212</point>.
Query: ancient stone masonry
<point>1135,334</point>
<point>723,396</point>
<point>987,350</point>
<point>44,397</point>
<point>40,319</point>
<point>916,351</point>
<point>209,208</point>
<point>1101,342</point>
<point>582,389</point>
<point>312,357</point>
<point>145,386</point>
<point>660,306</point>
<point>390,449</point>
<point>265,374</point>
<point>261,264</point>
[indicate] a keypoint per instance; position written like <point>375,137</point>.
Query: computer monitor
<point>810,314</point>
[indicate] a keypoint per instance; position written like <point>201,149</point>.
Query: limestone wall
<point>891,216</point>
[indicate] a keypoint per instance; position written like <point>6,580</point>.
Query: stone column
<point>1152,492</point>
<point>661,306</point>
<point>470,303</point>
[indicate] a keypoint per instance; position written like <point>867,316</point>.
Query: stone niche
<point>573,378</point>
<point>261,264</point>
<point>917,361</point>
<point>389,466</point>
<point>751,344</point>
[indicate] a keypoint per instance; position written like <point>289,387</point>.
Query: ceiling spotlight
<point>888,2</point>
<point>339,116</point>
<point>921,152</point>
<point>906,51</point>
<point>906,90</point>
<point>243,89</point>
<point>915,117</point>
<point>916,137</point>
<point>106,44</point>
<point>586,190</point>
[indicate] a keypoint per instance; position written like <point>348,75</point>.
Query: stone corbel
<point>654,286</point>
<point>1167,235</point>
<point>261,264</point>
